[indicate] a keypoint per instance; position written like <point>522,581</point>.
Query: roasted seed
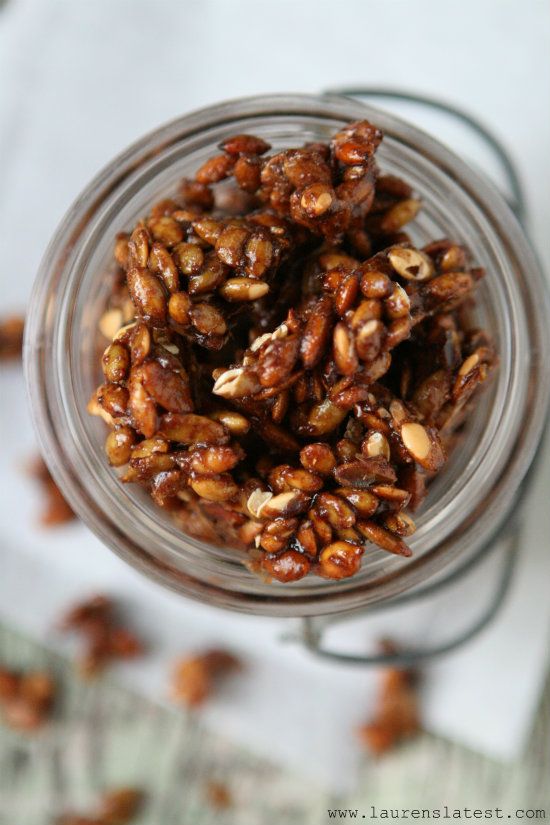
<point>346,449</point>
<point>276,534</point>
<point>196,194</point>
<point>143,409</point>
<point>230,243</point>
<point>375,285</point>
<point>364,472</point>
<point>423,446</point>
<point>138,248</point>
<point>346,295</point>
<point>411,263</point>
<point>179,306</point>
<point>335,510</point>
<point>192,429</point>
<point>209,278</point>
<point>449,288</point>
<point>150,446</point>
<point>469,364</point>
<point>167,387</point>
<point>258,253</point>
<point>247,172</point>
<point>113,399</point>
<point>189,257</point>
<point>325,417</point>
<point>316,333</point>
<point>207,319</point>
<point>110,322</point>
<point>118,446</point>
<point>166,230</point>
<point>215,488</point>
<point>344,350</point>
<point>400,214</point>
<point>245,145</point>
<point>234,422</point>
<point>318,458</point>
<point>317,199</point>
<point>208,229</point>
<point>416,440</point>
<point>140,343</point>
<point>148,295</point>
<point>398,331</point>
<point>213,459</point>
<point>398,304</point>
<point>257,500</point>
<point>383,538</point>
<point>376,444</point>
<point>340,560</point>
<point>276,360</point>
<point>215,169</point>
<point>307,540</point>
<point>244,289</point>
<point>235,383</point>
<point>364,502</point>
<point>368,340</point>
<point>400,523</point>
<point>287,567</point>
<point>162,263</point>
<point>285,505</point>
<point>121,251</point>
<point>116,363</point>
<point>391,496</point>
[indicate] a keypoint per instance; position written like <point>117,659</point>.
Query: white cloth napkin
<point>78,82</point>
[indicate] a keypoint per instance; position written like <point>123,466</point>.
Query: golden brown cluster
<point>11,337</point>
<point>105,638</point>
<point>286,369</point>
<point>26,699</point>
<point>396,714</point>
<point>55,510</point>
<point>116,807</point>
<point>195,677</point>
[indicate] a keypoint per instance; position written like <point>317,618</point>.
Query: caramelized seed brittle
<point>290,370</point>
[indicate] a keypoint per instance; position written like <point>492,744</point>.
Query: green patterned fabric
<point>104,736</point>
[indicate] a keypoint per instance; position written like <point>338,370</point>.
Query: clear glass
<point>468,500</point>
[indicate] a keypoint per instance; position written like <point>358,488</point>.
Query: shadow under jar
<point>471,496</point>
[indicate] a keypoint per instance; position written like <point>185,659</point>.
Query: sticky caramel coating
<point>284,369</point>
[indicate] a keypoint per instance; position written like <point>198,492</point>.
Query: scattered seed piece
<point>11,337</point>
<point>195,678</point>
<point>55,511</point>
<point>105,640</point>
<point>219,796</point>
<point>396,716</point>
<point>26,699</point>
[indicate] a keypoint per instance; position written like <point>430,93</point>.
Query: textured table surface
<point>69,66</point>
<point>104,736</point>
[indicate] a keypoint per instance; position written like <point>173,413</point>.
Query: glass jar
<point>469,499</point>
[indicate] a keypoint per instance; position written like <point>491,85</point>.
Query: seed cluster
<point>55,510</point>
<point>397,712</point>
<point>105,639</point>
<point>26,699</point>
<point>286,370</point>
<point>195,677</point>
<point>116,807</point>
<point>11,337</point>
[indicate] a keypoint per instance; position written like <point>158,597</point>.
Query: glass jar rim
<point>51,310</point>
